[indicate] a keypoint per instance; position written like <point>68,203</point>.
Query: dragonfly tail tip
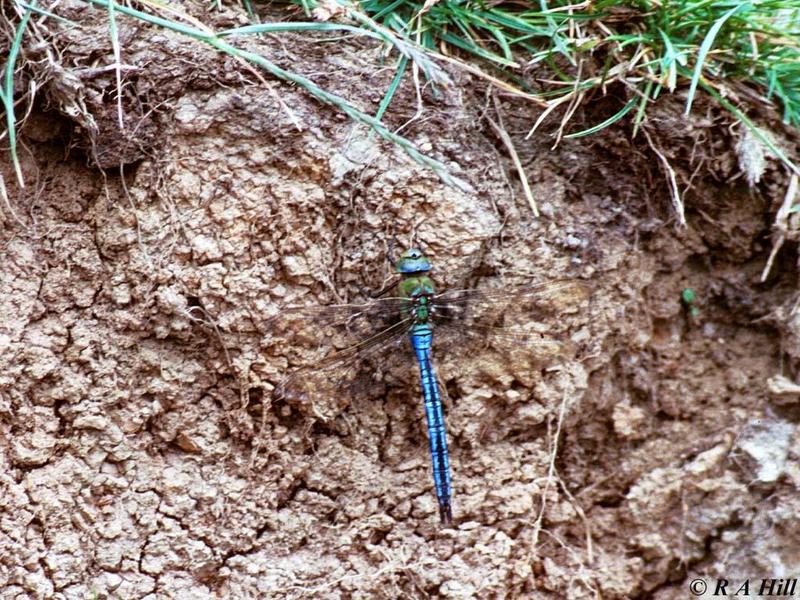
<point>446,513</point>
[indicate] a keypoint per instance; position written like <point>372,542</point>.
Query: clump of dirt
<point>145,450</point>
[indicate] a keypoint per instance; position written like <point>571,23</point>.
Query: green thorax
<point>414,286</point>
<point>418,289</point>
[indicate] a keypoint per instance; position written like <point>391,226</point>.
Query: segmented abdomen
<point>421,337</point>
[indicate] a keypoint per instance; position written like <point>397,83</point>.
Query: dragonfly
<point>337,344</point>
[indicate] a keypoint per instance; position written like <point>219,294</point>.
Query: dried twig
<point>781,225</point>
<point>551,474</point>
<point>576,98</point>
<point>554,104</point>
<point>671,179</point>
<point>509,144</point>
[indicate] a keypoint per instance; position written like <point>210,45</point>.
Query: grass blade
<point>743,118</point>
<point>609,121</point>
<point>322,95</point>
<point>8,94</point>
<point>398,76</point>
<point>705,47</point>
<point>45,13</point>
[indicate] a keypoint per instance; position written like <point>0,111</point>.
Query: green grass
<point>667,43</point>
<point>737,52</point>
<point>177,22</point>
<point>7,93</point>
<point>651,47</point>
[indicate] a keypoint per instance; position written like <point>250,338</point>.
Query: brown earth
<point>143,455</point>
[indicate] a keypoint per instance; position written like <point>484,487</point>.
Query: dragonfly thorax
<point>418,289</point>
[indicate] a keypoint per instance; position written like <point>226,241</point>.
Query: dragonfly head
<point>413,261</point>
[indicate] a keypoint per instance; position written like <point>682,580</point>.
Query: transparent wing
<point>329,350</point>
<point>364,319</point>
<point>531,300</point>
<point>499,336</point>
<point>509,318</point>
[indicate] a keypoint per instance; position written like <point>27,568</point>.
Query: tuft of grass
<point>224,41</point>
<point>753,42</point>
<point>738,52</point>
<point>652,47</point>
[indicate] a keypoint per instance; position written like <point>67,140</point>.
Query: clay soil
<point>145,453</point>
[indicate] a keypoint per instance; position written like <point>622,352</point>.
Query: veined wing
<point>528,301</point>
<point>506,333</point>
<point>363,319</point>
<point>510,317</point>
<point>329,347</point>
<point>382,305</point>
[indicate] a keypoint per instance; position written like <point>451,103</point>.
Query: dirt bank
<point>142,453</point>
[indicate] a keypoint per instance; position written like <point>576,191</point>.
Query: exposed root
<point>781,227</point>
<point>672,180</point>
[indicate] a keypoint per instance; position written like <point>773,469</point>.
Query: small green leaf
<point>688,296</point>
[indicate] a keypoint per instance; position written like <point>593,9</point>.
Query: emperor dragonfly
<point>341,338</point>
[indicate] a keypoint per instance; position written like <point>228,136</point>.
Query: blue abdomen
<point>421,338</point>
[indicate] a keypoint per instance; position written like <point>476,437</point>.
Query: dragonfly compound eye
<point>413,261</point>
